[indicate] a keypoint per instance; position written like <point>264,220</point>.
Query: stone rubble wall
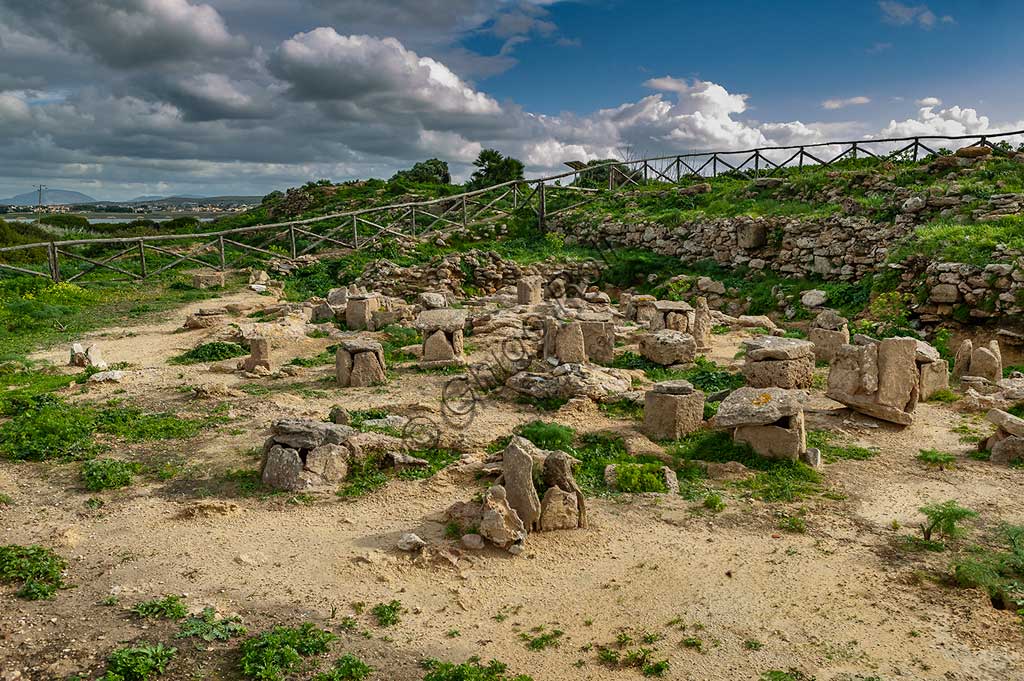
<point>961,292</point>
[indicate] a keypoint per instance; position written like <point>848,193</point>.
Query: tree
<point>431,171</point>
<point>494,168</point>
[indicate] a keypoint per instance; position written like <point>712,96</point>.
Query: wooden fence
<point>141,258</point>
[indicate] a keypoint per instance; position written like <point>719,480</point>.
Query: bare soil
<point>845,600</point>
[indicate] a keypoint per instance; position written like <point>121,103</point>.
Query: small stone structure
<point>530,290</point>
<point>777,362</point>
<point>442,337</point>
<point>667,347</point>
<point>1007,444</point>
<point>702,324</point>
<point>360,363</point>
<point>878,378</point>
<point>204,280</point>
<point>933,371</point>
<point>598,336</point>
<point>671,314</point>
<point>770,420</point>
<point>359,311</point>
<point>570,380</point>
<point>302,454</point>
<point>206,318</point>
<point>259,356</point>
<point>672,409</point>
<point>828,331</point>
<point>564,342</point>
<point>982,362</point>
<point>87,357</point>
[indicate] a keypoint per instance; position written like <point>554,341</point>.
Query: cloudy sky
<point>118,98</point>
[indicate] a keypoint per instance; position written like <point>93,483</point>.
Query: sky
<point>120,98</point>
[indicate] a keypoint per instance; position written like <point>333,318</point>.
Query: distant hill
<point>205,200</point>
<point>51,197</point>
<point>152,198</point>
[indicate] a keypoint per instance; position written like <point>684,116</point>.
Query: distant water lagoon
<point>106,219</point>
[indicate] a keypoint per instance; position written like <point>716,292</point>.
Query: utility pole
<point>41,188</point>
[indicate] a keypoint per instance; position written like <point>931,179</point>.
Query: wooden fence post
<point>142,258</point>
<point>355,232</point>
<point>542,208</point>
<point>291,237</point>
<point>54,263</point>
<point>220,246</point>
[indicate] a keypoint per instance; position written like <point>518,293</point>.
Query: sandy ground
<point>843,601</point>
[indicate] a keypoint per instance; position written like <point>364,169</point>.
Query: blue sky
<point>118,98</point>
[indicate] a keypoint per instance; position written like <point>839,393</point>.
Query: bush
<point>387,614</point>
<point>943,519</point>
<point>39,570</point>
<point>101,474</point>
<point>209,352</point>
<point>548,435</point>
<point>431,171</point>
<point>273,655</point>
<point>138,663</point>
<point>639,478</point>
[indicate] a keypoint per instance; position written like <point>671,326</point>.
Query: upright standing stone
<point>442,337</point>
<point>702,324</point>
<point>259,355</point>
<point>962,360</point>
<point>517,471</point>
<point>360,363</point>
<point>828,332</point>
<point>359,311</point>
<point>530,290</point>
<point>673,409</point>
<point>598,336</point>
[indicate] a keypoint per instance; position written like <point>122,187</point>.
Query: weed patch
<point>471,670</point>
<point>346,668</point>
<point>101,474</point>
<point>207,627</point>
<point>387,614</point>
<point>166,608</point>
<point>832,451</point>
<point>39,570</point>
<point>139,663</point>
<point>275,654</point>
<point>217,351</point>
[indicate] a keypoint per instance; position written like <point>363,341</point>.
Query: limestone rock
<point>667,347</point>
<point>1006,421</point>
<point>669,416</point>
<point>499,522</point>
<point>702,324</point>
<point>897,373</point>
<point>985,364</point>
<point>558,473</point>
<point>782,373</point>
<point>282,469</point>
<point>306,434</point>
<point>1008,450</point>
<point>786,441</point>
<point>432,301</point>
<point>436,347</point>
<point>570,380</point>
<point>410,541</point>
<point>962,360</point>
<point>559,510</point>
<point>517,469</point>
<point>934,377</point>
<point>756,406</point>
<point>530,290</point>
<point>761,348</point>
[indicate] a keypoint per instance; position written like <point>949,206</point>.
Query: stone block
<point>530,290</point>
<point>786,440</point>
<point>934,377</point>
<point>670,416</point>
<point>827,343</point>
<point>205,280</point>
<point>783,373</point>
<point>668,347</point>
<point>359,311</point>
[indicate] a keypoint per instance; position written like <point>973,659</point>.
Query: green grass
<point>47,427</point>
<point>207,627</point>
<point>437,458</point>
<point>704,374</point>
<point>364,476</point>
<point>101,474</point>
<point>471,670</point>
<point>970,243</point>
<point>538,639</point>
<point>209,352</point>
<point>714,502</point>
<point>166,608</point>
<point>623,409</point>
<point>831,451</point>
<point>548,435</point>
<point>274,655</point>
<point>38,570</point>
<point>324,358</point>
<point>139,662</point>
<point>936,459</point>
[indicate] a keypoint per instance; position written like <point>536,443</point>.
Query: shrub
<point>273,655</point>
<point>209,352</point>
<point>47,428</point>
<point>943,518</point>
<point>548,435</point>
<point>39,570</point>
<point>999,571</point>
<point>138,663</point>
<point>714,502</point>
<point>166,608</point>
<point>101,474</point>
<point>639,478</point>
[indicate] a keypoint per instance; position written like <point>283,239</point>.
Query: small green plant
<point>791,675</point>
<point>471,670</point>
<point>168,608</point>
<point>207,627</point>
<point>274,654</point>
<point>101,474</point>
<point>538,639</point>
<point>139,663</point>
<point>548,435</point>
<point>752,644</point>
<point>936,459</point>
<point>348,667</point>
<point>943,519</point>
<point>387,614</point>
<point>832,451</point>
<point>795,524</point>
<point>209,352</point>
<point>714,502</point>
<point>655,669</point>
<point>693,643</point>
<point>945,395</point>
<point>364,476</point>
<point>39,570</point>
